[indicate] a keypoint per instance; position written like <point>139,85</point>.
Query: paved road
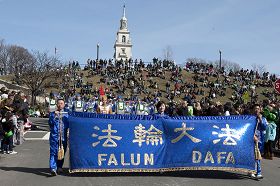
<point>30,167</point>
<point>40,123</point>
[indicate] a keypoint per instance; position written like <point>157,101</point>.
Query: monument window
<point>123,50</point>
<point>123,39</point>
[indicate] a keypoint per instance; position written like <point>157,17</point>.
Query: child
<point>8,128</point>
<point>270,134</point>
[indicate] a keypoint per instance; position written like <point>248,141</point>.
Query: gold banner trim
<point>165,169</point>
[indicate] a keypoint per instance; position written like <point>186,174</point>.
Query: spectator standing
<point>167,86</point>
<point>270,134</point>
<point>2,133</point>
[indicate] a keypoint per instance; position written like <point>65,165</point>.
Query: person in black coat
<point>1,133</point>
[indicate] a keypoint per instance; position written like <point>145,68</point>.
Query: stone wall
<point>12,86</point>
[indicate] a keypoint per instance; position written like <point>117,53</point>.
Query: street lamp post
<point>97,52</point>
<point>220,64</point>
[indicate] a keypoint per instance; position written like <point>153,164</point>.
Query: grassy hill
<point>186,77</point>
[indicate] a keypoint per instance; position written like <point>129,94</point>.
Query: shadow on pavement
<point>184,174</point>
<point>38,171</point>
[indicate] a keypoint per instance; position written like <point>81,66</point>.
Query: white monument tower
<point>123,44</point>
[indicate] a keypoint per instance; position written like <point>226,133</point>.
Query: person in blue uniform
<point>129,108</point>
<point>258,139</point>
<point>120,106</point>
<point>68,104</point>
<point>78,104</point>
<point>58,121</point>
<point>140,108</point>
<point>151,108</point>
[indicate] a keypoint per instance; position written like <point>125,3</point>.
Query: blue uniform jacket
<point>54,127</point>
<point>260,133</point>
<point>54,138</point>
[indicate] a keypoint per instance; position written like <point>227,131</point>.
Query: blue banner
<point>128,143</point>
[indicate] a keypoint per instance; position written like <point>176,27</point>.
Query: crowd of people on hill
<point>13,119</point>
<point>132,87</point>
<point>136,80</point>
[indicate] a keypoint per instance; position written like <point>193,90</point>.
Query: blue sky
<point>246,31</point>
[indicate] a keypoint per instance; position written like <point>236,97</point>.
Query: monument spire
<point>124,10</point>
<point>123,44</point>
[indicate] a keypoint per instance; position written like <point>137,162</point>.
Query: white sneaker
<point>252,175</point>
<point>53,172</point>
<point>12,152</point>
<point>259,176</point>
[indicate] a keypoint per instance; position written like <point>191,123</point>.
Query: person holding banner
<point>103,107</point>
<point>258,138</point>
<point>58,122</point>
<point>160,106</point>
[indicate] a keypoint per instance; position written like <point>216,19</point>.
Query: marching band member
<point>58,122</point>
<point>95,104</point>
<point>120,106</point>
<point>111,104</point>
<point>103,107</point>
<point>128,108</point>
<point>91,105</point>
<point>78,104</point>
<point>52,104</point>
<point>140,108</point>
<point>152,108</point>
<point>68,104</point>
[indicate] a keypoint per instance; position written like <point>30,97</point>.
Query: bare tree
<point>3,57</point>
<point>168,53</point>
<point>260,68</point>
<point>227,65</point>
<point>254,67</point>
<point>18,57</point>
<point>235,67</point>
<point>197,60</point>
<point>35,74</point>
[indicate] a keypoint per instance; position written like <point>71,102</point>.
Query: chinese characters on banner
<point>114,144</point>
<point>153,135</point>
